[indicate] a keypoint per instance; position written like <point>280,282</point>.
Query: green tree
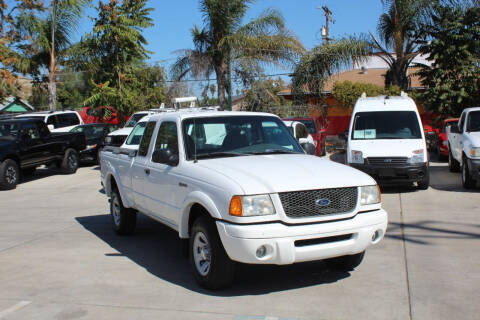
<point>453,46</point>
<point>114,52</point>
<point>224,46</point>
<point>50,38</point>
<point>262,96</point>
<point>398,30</point>
<point>348,92</point>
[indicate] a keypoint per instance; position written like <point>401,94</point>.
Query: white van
<point>386,140</point>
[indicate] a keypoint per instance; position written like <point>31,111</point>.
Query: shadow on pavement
<point>158,249</point>
<point>40,173</point>
<point>432,229</point>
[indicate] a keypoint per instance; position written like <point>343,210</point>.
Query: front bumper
<point>290,244</point>
<point>474,167</point>
<point>394,174</point>
<point>89,155</point>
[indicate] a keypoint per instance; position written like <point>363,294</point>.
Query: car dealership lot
<point>59,259</point>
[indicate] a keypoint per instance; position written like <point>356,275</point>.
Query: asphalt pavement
<point>59,259</point>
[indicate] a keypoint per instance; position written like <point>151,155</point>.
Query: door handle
<point>147,171</point>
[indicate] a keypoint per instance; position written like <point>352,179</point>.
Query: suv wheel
<point>9,175</point>
<point>467,181</point>
<point>124,219</point>
<point>211,265</point>
<point>345,263</point>
<point>69,163</point>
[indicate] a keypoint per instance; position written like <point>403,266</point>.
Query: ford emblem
<point>322,202</point>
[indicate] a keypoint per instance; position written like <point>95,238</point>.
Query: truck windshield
<point>386,125</point>
<point>473,122</point>
<point>8,129</point>
<point>136,135</point>
<point>236,136</point>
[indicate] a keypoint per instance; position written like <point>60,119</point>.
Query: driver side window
<point>167,137</point>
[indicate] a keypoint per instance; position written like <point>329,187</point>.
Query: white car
<point>57,121</point>
<point>464,144</point>
<point>386,140</point>
<point>252,196</point>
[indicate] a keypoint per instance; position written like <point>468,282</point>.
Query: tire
<point>425,182</point>
<point>70,162</point>
<point>98,156</point>
<point>467,180</point>
<point>124,219</point>
<point>345,263</point>
<point>9,175</point>
<point>453,164</point>
<point>217,270</point>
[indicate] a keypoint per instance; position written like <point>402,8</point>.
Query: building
<point>15,105</point>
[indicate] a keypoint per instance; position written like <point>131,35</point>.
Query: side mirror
<point>165,156</point>
<point>308,147</point>
<point>454,128</point>
<point>50,127</point>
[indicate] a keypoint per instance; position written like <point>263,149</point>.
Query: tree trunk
<point>52,86</point>
<point>221,73</point>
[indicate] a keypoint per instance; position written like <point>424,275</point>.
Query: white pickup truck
<point>464,144</point>
<point>237,187</point>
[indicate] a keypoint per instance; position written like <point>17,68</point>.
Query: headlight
<point>357,156</point>
<point>417,156</point>
<point>93,146</point>
<point>108,140</point>
<point>247,206</point>
<point>370,195</point>
<point>475,152</point>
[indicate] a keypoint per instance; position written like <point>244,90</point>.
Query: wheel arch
<point>111,183</point>
<point>196,204</point>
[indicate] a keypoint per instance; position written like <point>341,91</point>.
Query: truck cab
<point>386,140</point>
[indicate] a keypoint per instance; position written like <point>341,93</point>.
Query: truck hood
<point>121,132</point>
<point>474,138</point>
<point>387,148</point>
<point>286,172</point>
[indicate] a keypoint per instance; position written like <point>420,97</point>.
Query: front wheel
<point>467,180</point>
<point>9,175</point>
<point>345,263</point>
<point>425,182</point>
<point>453,164</point>
<point>124,219</point>
<point>69,163</point>
<point>211,265</point>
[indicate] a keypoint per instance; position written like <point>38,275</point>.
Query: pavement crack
<point>402,228</point>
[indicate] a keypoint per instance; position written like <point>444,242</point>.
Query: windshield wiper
<point>275,151</point>
<point>220,155</point>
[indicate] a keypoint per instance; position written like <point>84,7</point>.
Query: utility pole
<point>326,28</point>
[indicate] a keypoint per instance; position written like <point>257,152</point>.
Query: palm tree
<point>398,28</point>
<point>224,45</point>
<point>51,38</point>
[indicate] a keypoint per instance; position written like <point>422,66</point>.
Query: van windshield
<point>386,125</point>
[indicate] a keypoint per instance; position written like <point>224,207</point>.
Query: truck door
<point>140,169</point>
<point>52,148</point>
<point>32,151</point>
<point>162,182</point>
<point>458,145</point>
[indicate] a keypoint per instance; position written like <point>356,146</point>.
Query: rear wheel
<point>69,163</point>
<point>9,174</point>
<point>453,164</point>
<point>345,263</point>
<point>211,265</point>
<point>425,182</point>
<point>467,180</point>
<point>124,219</point>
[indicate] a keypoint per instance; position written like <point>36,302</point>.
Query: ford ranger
<point>237,187</point>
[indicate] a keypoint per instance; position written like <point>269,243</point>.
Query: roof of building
<point>8,101</point>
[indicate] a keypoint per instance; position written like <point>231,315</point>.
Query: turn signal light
<point>236,206</point>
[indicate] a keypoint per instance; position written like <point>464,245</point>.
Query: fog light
<point>261,252</point>
<point>377,235</point>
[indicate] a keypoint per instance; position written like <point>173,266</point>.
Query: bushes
<point>348,92</point>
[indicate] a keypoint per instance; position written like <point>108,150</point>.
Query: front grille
<point>313,203</point>
<point>117,141</point>
<point>387,161</point>
<point>312,242</point>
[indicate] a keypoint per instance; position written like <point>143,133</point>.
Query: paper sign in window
<point>370,133</point>
<point>359,134</point>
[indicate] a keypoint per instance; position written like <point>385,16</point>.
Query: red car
<point>91,115</point>
<point>317,132</point>
<point>442,143</point>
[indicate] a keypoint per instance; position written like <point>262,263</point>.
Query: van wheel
<point>425,182</point>
<point>9,175</point>
<point>345,263</point>
<point>453,164</point>
<point>69,163</point>
<point>467,180</point>
<point>211,265</point>
<point>124,219</point>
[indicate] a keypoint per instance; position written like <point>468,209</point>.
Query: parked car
<point>95,134</point>
<point>57,121</point>
<point>27,143</point>
<point>100,115</point>
<point>237,191</point>
<point>386,140</point>
<point>464,143</point>
<point>441,147</point>
<point>318,133</point>
<point>300,132</point>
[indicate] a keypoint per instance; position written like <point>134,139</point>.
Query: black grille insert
<point>312,242</point>
<point>313,203</point>
<point>387,161</point>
